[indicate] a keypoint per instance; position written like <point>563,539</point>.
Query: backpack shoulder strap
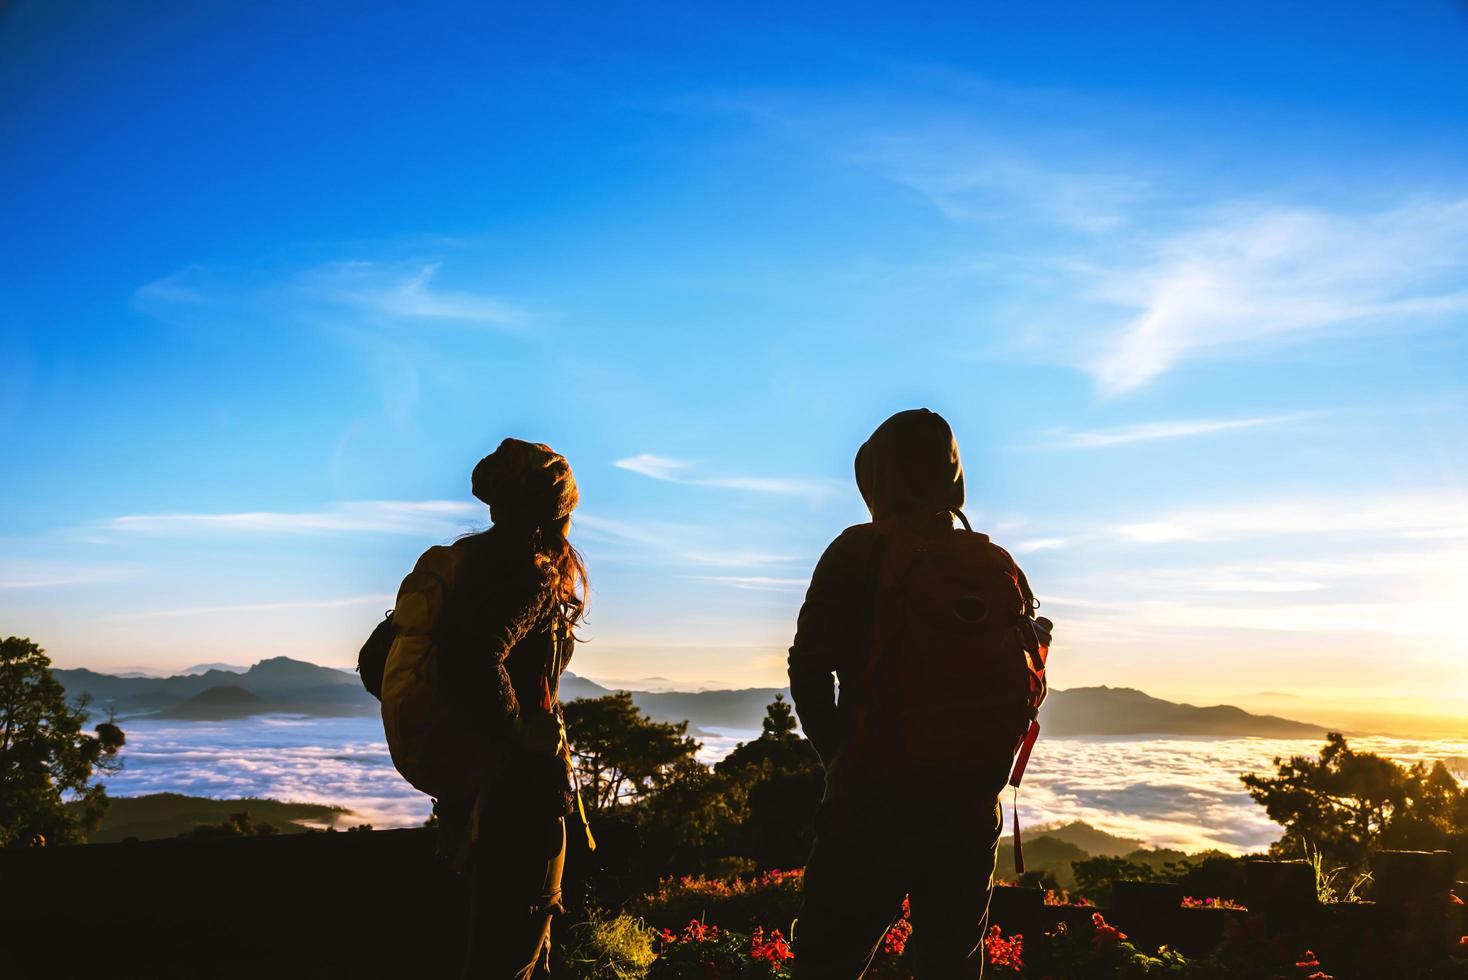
<point>423,593</point>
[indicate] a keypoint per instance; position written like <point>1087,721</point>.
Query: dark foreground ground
<point>298,905</point>
<point>379,904</point>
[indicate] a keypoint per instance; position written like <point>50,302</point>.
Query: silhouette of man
<point>880,834</point>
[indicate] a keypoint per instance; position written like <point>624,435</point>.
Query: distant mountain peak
<point>205,668</point>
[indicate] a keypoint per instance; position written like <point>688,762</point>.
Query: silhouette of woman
<point>485,734</point>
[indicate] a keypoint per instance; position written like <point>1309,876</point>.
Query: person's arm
<point>824,635</point>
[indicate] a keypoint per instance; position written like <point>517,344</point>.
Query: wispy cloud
<point>1029,546</point>
<point>1153,431</point>
<point>425,517</point>
<point>183,286</point>
<point>258,607</point>
<point>373,291</point>
<point>398,291</point>
<point>971,177</point>
<point>657,467</point>
<point>1168,275</point>
<point>671,470</point>
<point>759,583</point>
<point>1255,278</point>
<point>680,542</point>
<point>18,573</point>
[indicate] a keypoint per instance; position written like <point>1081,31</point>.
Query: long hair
<point>553,547</point>
<point>550,549</point>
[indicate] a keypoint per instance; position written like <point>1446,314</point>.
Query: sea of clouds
<point>1168,792</point>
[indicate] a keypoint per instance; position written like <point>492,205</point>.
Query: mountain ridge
<point>286,686</point>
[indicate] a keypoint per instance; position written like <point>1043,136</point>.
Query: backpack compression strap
<point>550,701</point>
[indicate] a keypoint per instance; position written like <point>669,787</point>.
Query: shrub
<point>742,904</point>
<point>619,947</point>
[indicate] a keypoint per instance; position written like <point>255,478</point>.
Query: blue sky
<point>1191,285</point>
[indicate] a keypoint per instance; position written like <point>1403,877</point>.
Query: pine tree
<point>779,719</point>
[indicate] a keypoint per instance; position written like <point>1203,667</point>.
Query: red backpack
<point>955,674</point>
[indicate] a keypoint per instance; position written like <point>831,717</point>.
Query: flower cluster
<point>774,950</point>
<point>1063,897</point>
<point>1310,962</point>
<point>1212,903</point>
<point>895,941</point>
<point>706,952</point>
<point>695,932</point>
<point>1002,953</point>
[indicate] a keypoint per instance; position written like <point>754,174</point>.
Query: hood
<point>910,465</point>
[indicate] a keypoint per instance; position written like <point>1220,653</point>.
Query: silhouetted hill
<point>280,683</point>
<point>1125,711</point>
<point>1095,842</point>
<point>1055,848</point>
<point>217,704</point>
<point>1078,711</point>
<point>160,815</point>
<point>201,668</point>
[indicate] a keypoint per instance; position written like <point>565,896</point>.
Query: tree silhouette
<point>778,779</point>
<point>238,825</point>
<point>44,755</point>
<point>779,721</point>
<point>620,754</point>
<point>1346,804</point>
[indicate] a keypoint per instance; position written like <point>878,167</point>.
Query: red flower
<point>1004,953</point>
<point>1106,935</point>
<point>895,941</point>
<point>694,932</point>
<point>773,951</point>
<point>1311,962</point>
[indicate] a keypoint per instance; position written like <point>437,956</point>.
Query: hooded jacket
<point>909,469</point>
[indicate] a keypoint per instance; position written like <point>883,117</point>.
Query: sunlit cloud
<point>1176,792</point>
<point>1031,545</point>
<point>1256,278</point>
<point>654,466</point>
<point>1153,431</point>
<point>1408,516</point>
<point>340,761</point>
<point>671,470</point>
<point>1163,792</point>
